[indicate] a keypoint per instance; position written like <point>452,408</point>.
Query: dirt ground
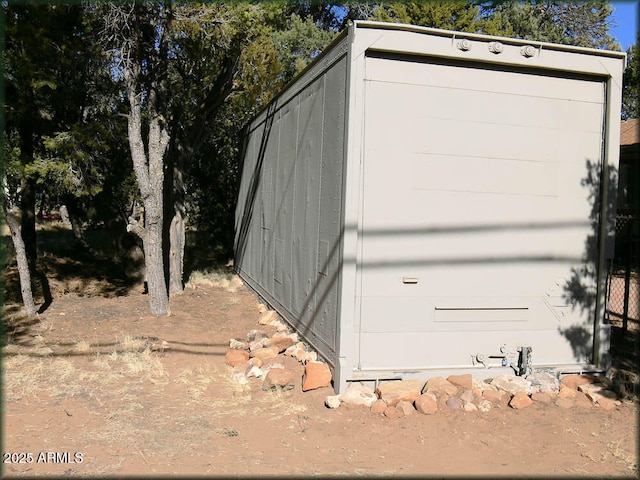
<point>82,397</point>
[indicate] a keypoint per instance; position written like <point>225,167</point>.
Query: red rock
<point>234,357</point>
<point>607,403</point>
<point>267,317</point>
<point>427,404</point>
<point>316,375</point>
<point>439,384</point>
<point>497,397</point>
<point>406,407</point>
<point>464,381</point>
<point>378,406</point>
<point>520,400</point>
<point>393,412</point>
<point>394,391</point>
<point>542,397</point>
<point>265,353</point>
<point>566,392</point>
<point>278,377</point>
<point>281,343</point>
<point>574,381</point>
<point>583,401</point>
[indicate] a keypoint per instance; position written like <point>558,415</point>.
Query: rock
<point>485,405</point>
<point>454,403</point>
<point>302,352</point>
<point>520,400</point>
<point>262,308</point>
<point>378,406</point>
<point>280,327</point>
<point>265,353</point>
<point>293,350</point>
<point>267,317</point>
<point>574,381</point>
<point>566,392</point>
<point>582,401</point>
<point>282,343</point>
<point>467,396</point>
<point>316,375</point>
<point>544,382</point>
<point>406,407</point>
<point>542,397</point>
<point>607,403</point>
<point>253,335</point>
<point>358,394</point>
<point>268,366</point>
<point>235,344</point>
<point>332,401</point>
<point>465,381</point>
<point>439,384</point>
<point>427,403</point>
<point>396,390</point>
<point>259,343</point>
<point>597,391</point>
<point>482,386</point>
<point>512,384</point>
<point>256,362</point>
<point>393,412</point>
<point>234,357</point>
<point>278,377</point>
<point>564,402</point>
<point>497,397</point>
<point>309,357</point>
<point>254,372</point>
<point>470,407</point>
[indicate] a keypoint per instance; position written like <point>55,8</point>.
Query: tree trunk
<point>177,226</point>
<point>149,172</point>
<point>23,264</point>
<point>176,253</point>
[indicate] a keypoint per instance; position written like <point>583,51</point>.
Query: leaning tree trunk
<point>23,264</point>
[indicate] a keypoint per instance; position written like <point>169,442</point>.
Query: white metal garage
<point>421,201</point>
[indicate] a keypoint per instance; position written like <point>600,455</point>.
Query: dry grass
<point>215,278</point>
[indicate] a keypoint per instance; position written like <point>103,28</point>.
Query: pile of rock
<point>260,355</point>
<point>399,398</point>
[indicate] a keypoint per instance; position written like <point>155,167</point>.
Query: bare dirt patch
<point>81,379</point>
<point>89,379</point>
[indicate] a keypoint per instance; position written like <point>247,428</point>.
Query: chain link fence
<point>623,286</point>
<point>623,306</point>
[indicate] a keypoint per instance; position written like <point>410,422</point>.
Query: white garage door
<point>476,214</point>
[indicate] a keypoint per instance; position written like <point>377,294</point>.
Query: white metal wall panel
<point>483,214</point>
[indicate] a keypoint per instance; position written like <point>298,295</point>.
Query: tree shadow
<point>62,267</point>
<point>582,288</point>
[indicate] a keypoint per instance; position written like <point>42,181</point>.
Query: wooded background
<point>116,109</point>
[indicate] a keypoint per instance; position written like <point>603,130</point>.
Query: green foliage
<point>631,84</point>
<point>448,15</point>
<point>299,43</point>
<point>583,24</point>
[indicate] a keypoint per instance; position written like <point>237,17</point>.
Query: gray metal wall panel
<point>330,212</point>
<point>291,241</point>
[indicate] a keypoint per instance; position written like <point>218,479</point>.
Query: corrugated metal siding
<point>287,242</point>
